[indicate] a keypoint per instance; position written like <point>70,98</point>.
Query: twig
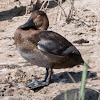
<point>61,8</point>
<point>56,17</point>
<point>79,19</point>
<point>71,77</point>
<point>42,7</point>
<point>68,20</point>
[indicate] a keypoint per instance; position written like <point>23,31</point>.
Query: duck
<point>45,48</point>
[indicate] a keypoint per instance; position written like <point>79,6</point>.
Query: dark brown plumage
<point>73,94</point>
<point>45,48</point>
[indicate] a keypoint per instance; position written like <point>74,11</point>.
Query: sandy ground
<point>15,72</point>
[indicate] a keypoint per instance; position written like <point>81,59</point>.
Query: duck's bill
<point>29,24</point>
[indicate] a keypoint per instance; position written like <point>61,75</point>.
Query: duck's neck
<point>45,24</point>
<point>43,27</point>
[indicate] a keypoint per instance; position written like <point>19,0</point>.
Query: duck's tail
<point>86,64</point>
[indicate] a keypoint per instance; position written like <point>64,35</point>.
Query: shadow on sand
<point>9,14</point>
<point>20,11</point>
<point>63,76</point>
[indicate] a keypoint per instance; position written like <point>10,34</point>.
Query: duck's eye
<point>38,16</point>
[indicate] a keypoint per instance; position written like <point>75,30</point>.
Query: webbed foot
<point>37,84</point>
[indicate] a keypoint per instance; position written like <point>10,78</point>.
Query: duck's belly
<point>47,61</point>
<point>36,58</point>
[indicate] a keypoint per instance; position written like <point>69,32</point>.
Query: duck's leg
<point>39,84</point>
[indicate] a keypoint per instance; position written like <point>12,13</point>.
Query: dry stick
<point>68,20</point>
<point>56,17</point>
<point>73,82</point>
<point>59,16</point>
<point>57,4</point>
<point>79,19</point>
<point>61,8</point>
<point>70,12</point>
<point>72,9</point>
<point>71,77</point>
<point>47,5</point>
<point>42,7</point>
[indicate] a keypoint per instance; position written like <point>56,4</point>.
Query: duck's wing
<point>52,42</point>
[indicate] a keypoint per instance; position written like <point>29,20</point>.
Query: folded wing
<point>52,42</point>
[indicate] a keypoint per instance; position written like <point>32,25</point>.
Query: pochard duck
<point>45,48</point>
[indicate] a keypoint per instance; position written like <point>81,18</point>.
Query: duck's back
<point>62,53</point>
<point>56,44</point>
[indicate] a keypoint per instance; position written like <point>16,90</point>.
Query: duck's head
<point>38,21</point>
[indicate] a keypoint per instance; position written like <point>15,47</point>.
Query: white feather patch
<point>40,48</point>
<point>71,49</point>
<point>38,16</point>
